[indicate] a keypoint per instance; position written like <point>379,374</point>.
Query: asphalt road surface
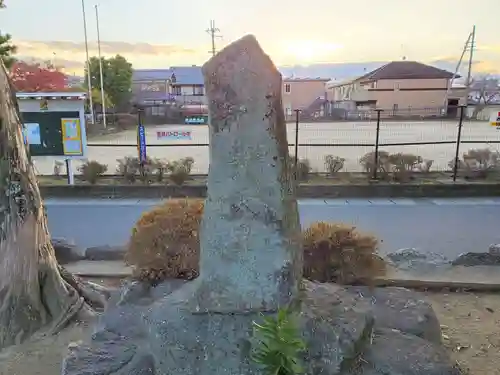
<point>445,226</point>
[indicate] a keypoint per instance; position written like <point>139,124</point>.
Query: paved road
<point>445,226</point>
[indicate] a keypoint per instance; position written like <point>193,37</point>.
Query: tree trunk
<point>35,295</point>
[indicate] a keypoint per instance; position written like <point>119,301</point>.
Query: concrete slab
<point>88,268</point>
<point>479,278</point>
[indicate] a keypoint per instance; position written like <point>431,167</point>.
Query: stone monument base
<point>347,330</point>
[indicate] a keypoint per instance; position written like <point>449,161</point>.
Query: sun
<point>308,51</point>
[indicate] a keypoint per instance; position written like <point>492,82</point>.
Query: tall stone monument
<point>251,257</point>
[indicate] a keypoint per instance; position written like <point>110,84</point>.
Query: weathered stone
<point>189,343</point>
<point>107,354</point>
<point>494,249</point>
<point>250,227</point>
<point>477,259</point>
<point>412,259</point>
<point>134,291</point>
<point>396,353</point>
<point>66,251</point>
<point>398,308</point>
<point>105,252</point>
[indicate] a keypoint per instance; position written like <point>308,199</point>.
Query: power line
<point>213,32</point>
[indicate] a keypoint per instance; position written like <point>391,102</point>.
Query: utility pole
<point>89,83</point>
<point>471,56</point>
<point>468,46</point>
<point>103,103</point>
<point>212,30</point>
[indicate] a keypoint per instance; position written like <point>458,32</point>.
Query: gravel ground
<point>470,324</point>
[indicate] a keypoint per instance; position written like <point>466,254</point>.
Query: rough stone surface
<point>399,308</point>
<point>66,251</point>
<point>396,353</point>
<point>477,259</point>
<point>250,227</point>
<point>412,259</point>
<point>190,343</point>
<point>108,353</point>
<point>494,249</point>
<point>105,252</point>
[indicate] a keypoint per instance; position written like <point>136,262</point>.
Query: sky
<point>163,33</point>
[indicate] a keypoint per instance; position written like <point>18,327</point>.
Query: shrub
<point>180,170</point>
<point>399,166</point>
<point>130,169</point>
<point>303,168</point>
<point>92,171</point>
<point>478,163</point>
<point>165,244</point>
<point>165,241</point>
<point>382,166</point>
<point>333,164</point>
<point>339,253</point>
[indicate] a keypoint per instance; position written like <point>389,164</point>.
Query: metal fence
<point>440,140</point>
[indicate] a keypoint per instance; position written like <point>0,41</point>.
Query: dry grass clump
<point>339,253</point>
<point>165,241</point>
<point>165,244</point>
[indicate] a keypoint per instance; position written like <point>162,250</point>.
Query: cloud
<point>72,55</point>
<point>107,48</point>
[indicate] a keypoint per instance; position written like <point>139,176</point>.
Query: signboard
<point>54,124</point>
<point>196,120</point>
<point>495,119</point>
<point>32,134</point>
<point>141,143</point>
<point>71,136</point>
<point>173,135</point>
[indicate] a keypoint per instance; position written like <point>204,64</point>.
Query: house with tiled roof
<point>181,86</point>
<point>403,88</point>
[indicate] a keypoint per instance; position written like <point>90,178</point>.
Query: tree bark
<point>35,296</point>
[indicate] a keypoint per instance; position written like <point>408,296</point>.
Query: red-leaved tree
<point>35,77</point>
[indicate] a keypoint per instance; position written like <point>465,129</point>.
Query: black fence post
<point>296,146</point>
<point>459,136</point>
<point>377,138</point>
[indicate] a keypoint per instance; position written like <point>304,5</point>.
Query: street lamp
<point>103,105</point>
<point>88,63</point>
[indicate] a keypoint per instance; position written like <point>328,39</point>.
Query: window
<point>176,90</point>
<point>198,90</point>
<point>287,88</point>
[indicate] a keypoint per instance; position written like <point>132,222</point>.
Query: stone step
<point>477,278</point>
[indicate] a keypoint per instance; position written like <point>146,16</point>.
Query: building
<point>399,88</point>
<point>161,88</point>
<point>306,94</point>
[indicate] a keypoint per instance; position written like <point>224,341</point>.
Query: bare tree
<point>36,294</point>
<point>484,91</point>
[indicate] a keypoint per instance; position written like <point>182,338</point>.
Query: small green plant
<point>278,345</point>
<point>92,171</point>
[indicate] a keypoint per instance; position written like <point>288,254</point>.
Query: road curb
<point>416,284</point>
<point>325,191</point>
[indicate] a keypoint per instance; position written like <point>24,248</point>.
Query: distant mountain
<point>342,71</point>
